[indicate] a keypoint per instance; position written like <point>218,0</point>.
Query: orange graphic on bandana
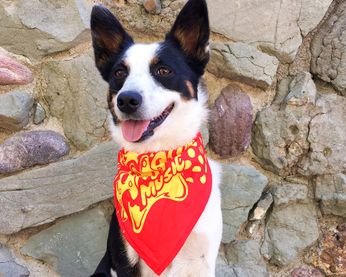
<point>145,179</point>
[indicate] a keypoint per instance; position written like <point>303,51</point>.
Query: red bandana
<point>159,198</point>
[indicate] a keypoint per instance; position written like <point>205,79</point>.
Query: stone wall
<point>277,86</point>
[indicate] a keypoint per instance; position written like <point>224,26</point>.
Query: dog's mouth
<point>139,130</point>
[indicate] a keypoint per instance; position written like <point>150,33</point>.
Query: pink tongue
<point>134,129</point>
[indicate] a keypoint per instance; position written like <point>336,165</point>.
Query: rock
<point>152,6</point>
<point>304,271</point>
<point>41,195</point>
<point>331,193</point>
<point>331,253</point>
<point>242,62</point>
<point>287,193</point>
<point>73,246</point>
<point>35,36</point>
<point>245,258</point>
<point>8,266</point>
<point>76,94</point>
<point>261,207</point>
<point>39,114</point>
<point>328,49</point>
<point>278,30</point>
<point>15,109</point>
<point>280,132</point>
<point>31,148</point>
<point>327,149</point>
<point>230,123</point>
<point>14,73</point>
<point>296,224</point>
<point>223,269</point>
<point>241,187</point>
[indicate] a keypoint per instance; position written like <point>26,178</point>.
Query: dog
<point>157,102</point>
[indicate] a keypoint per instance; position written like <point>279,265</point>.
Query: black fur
<point>115,256</point>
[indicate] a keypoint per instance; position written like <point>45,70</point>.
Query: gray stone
<point>36,36</point>
<point>245,258</point>
<point>280,131</point>
<point>242,62</point>
<point>15,109</point>
<point>296,224</point>
<point>41,195</point>
<point>14,73</point>
<point>76,94</point>
<point>31,148</point>
<point>287,193</point>
<point>276,26</point>
<point>39,114</point>
<point>262,207</point>
<point>327,138</point>
<point>73,246</point>
<point>8,266</point>
<point>328,49</point>
<point>230,122</point>
<point>330,191</point>
<point>241,187</point>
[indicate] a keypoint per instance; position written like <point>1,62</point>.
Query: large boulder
<point>241,187</point>
<point>42,195</point>
<point>8,265</point>
<point>275,26</point>
<point>76,94</point>
<point>242,62</point>
<point>73,246</point>
<point>55,26</point>
<point>328,49</point>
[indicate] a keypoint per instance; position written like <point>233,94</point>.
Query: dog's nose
<point>129,101</point>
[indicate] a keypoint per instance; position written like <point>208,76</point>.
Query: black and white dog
<point>159,83</point>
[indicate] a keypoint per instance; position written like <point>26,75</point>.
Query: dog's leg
<point>115,262</point>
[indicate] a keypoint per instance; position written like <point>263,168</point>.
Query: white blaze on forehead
<point>139,56</point>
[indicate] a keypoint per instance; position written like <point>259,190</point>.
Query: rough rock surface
<point>291,137</point>
<point>243,258</point>
<point>41,195</point>
<point>276,26</point>
<point>241,187</point>
<point>13,73</point>
<point>31,148</point>
<point>73,246</point>
<point>331,254</point>
<point>8,267</point>
<point>288,193</point>
<point>230,123</point>
<point>295,222</point>
<point>330,191</point>
<point>326,149</point>
<point>242,62</point>
<point>15,107</point>
<point>76,94</point>
<point>35,36</point>
<point>328,49</point>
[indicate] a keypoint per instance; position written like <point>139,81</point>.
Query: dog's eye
<point>120,73</point>
<point>163,71</point>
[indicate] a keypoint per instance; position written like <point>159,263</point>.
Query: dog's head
<point>155,97</point>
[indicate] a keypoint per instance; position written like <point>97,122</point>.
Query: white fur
<point>179,128</point>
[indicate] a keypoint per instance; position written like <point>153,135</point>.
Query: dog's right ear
<point>109,39</point>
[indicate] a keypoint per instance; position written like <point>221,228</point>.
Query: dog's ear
<point>109,38</point>
<point>191,31</point>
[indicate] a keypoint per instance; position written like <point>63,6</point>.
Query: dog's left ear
<point>191,32</point>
